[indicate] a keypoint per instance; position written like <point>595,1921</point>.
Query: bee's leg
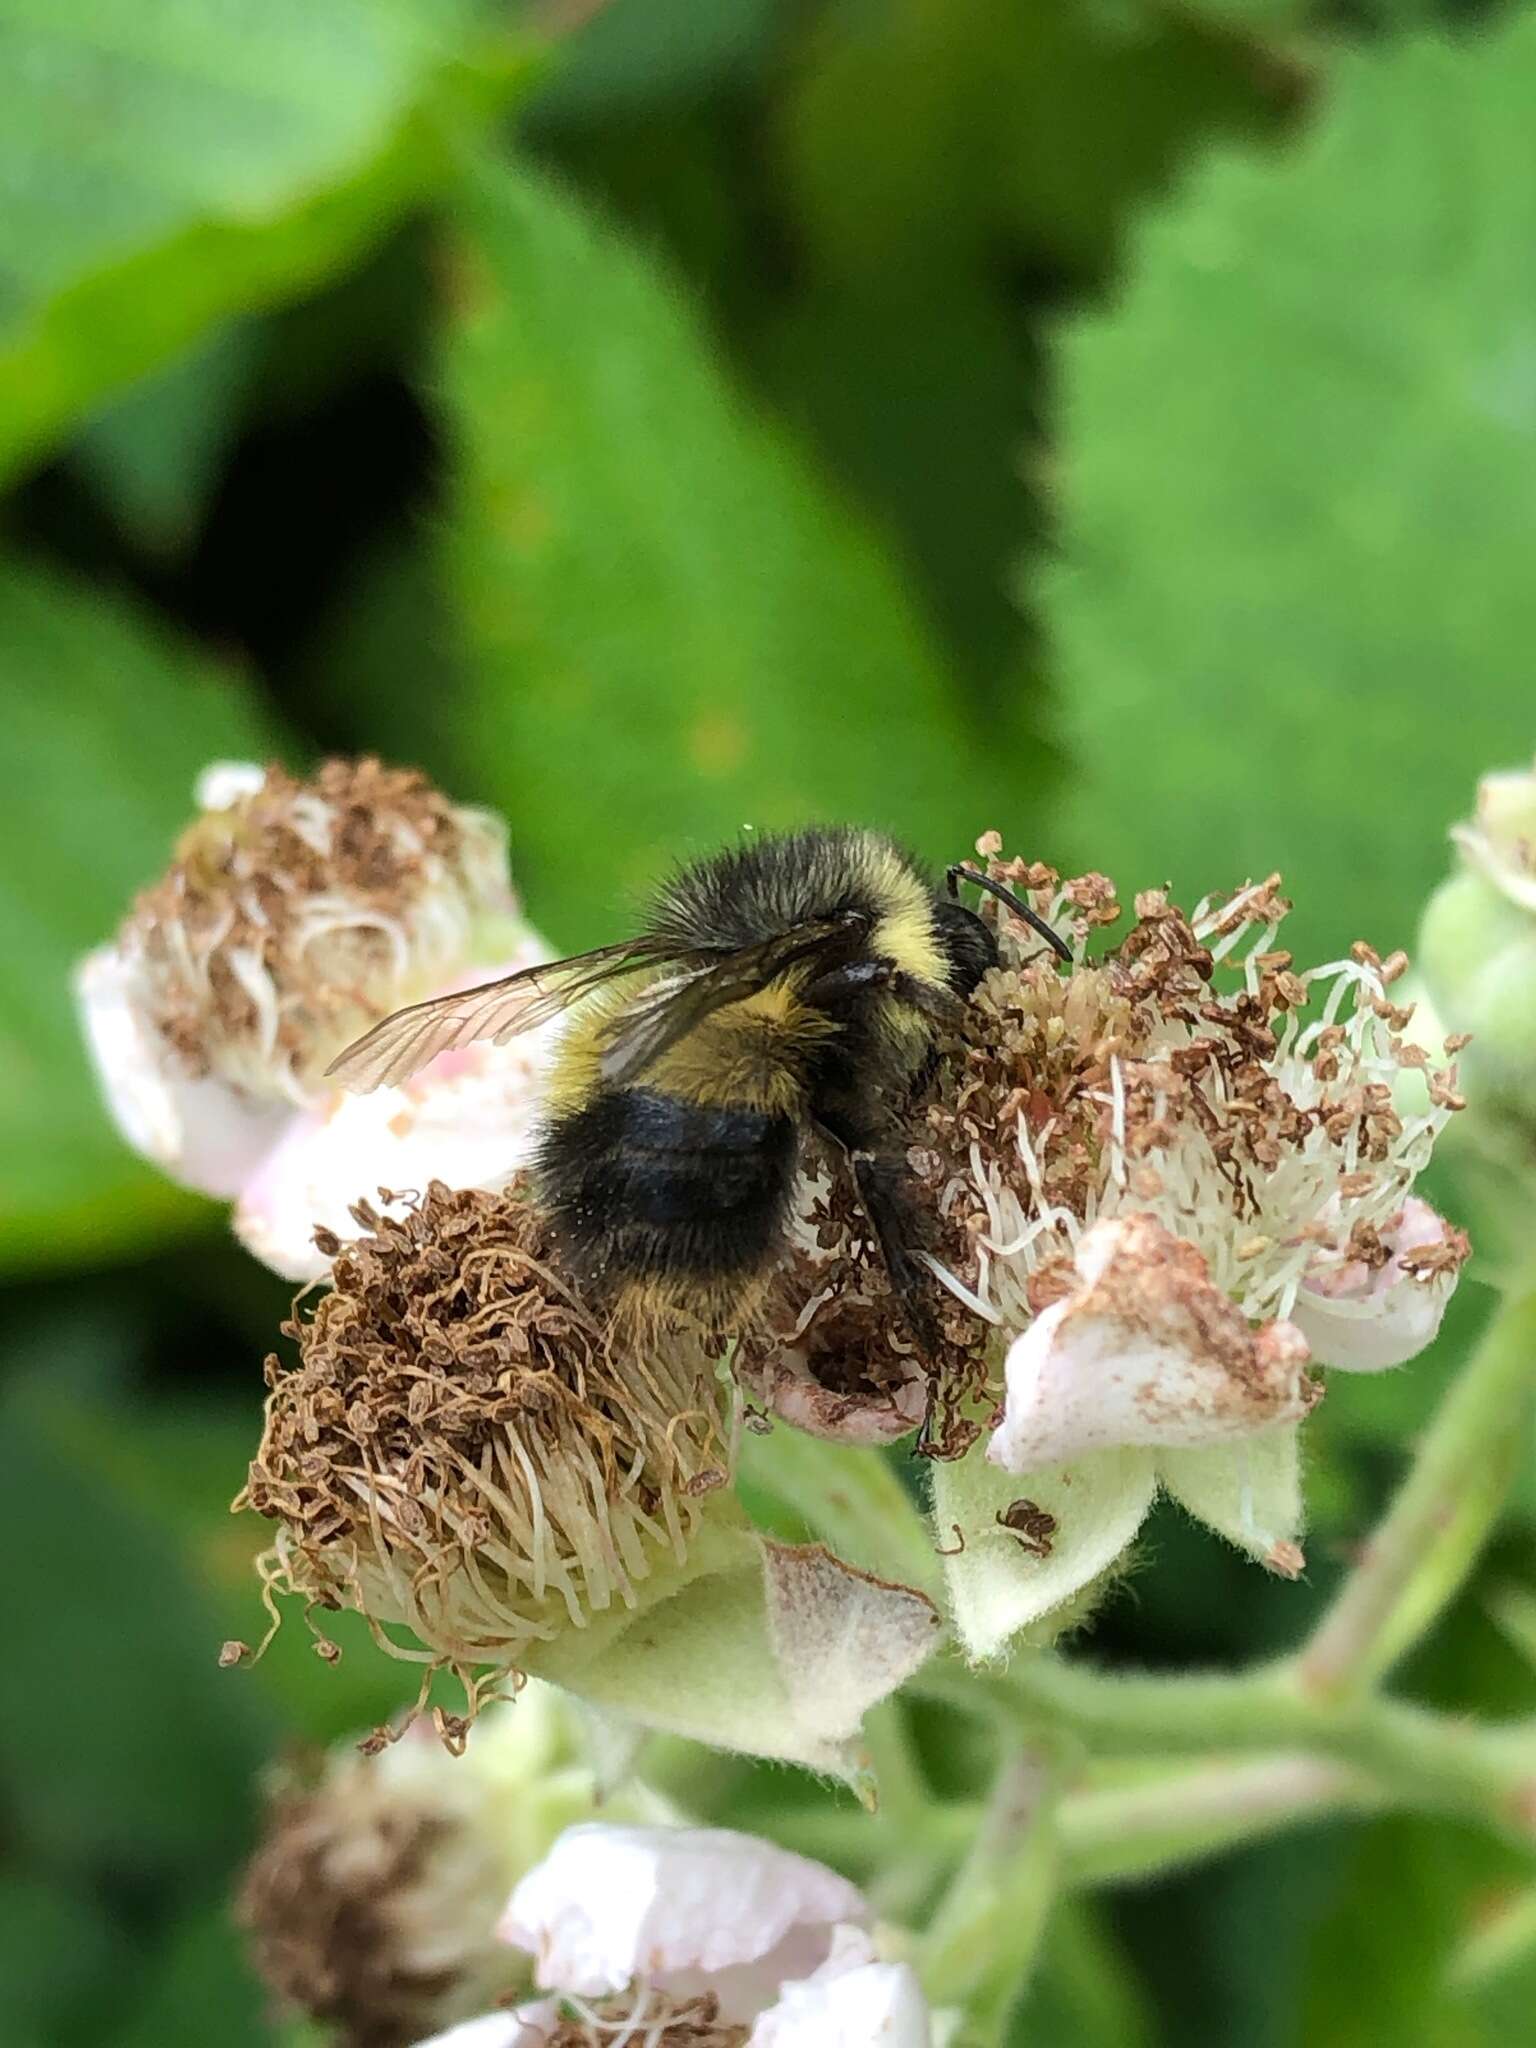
<point>881,1188</point>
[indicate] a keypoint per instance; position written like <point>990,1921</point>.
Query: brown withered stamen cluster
<point>460,1450</point>
<point>228,937</point>
<point>1159,1076</point>
<point>667,2023</point>
<point>349,1905</point>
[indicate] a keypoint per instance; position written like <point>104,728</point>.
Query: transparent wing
<point>498,1010</point>
<point>655,1022</point>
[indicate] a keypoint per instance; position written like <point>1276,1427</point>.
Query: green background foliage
<point>1108,421</point>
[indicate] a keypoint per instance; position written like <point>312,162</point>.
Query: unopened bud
<point>1477,948</point>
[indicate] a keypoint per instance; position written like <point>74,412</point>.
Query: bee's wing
<point>498,1010</point>
<point>647,1028</point>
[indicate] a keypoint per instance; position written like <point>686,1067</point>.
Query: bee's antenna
<point>960,871</point>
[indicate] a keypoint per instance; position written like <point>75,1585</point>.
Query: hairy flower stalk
<point>1165,1184</point>
<point>295,914</point>
<point>466,1457</point>
<point>371,1901</point>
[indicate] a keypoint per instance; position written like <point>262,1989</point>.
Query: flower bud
<point>372,1899</point>
<point>1477,954</point>
<point>294,915</point>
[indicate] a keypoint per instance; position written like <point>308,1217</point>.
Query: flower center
<point>646,2018</point>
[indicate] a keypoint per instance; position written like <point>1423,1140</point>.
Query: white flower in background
<point>294,915</point>
<point>462,1452</point>
<point>371,1900</point>
<point>1170,1180</point>
<point>696,1936</point>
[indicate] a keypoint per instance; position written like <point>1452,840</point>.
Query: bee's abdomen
<point>645,1186</point>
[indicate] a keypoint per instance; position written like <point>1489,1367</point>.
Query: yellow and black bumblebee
<point>785,990</point>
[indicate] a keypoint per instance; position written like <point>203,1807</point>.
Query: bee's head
<point>967,943</point>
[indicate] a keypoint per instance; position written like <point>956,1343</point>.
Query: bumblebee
<point>782,992</point>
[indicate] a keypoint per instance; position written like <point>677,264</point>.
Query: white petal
<point>1147,1351</point>
<point>1248,1491</point>
<point>1364,1321</point>
<point>223,783</point>
<point>612,1904</point>
<point>1001,1582</point>
<point>469,1118</point>
<point>848,2003</point>
<point>528,2026</point>
<point>202,1133</point>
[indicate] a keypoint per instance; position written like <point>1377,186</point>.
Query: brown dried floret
<point>303,908</point>
<point>366,1908</point>
<point>462,1450</point>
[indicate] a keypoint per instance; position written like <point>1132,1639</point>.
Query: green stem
<point>1112,1832</point>
<point>1427,1760</point>
<point>981,1946</point>
<point>1423,1549</point>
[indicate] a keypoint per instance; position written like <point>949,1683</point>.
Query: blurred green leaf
<point>1379,1966</point>
<point>1084,1993</point>
<point>923,134</point>
<point>200,1990</point>
<point>629,52</point>
<point>154,453</point>
<point>174,163</point>
<point>678,633</point>
<point>121,1742</point>
<point>920,399</point>
<point>1294,611</point>
<point>62,1962</point>
<point>108,721</point>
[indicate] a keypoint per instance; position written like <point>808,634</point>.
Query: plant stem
<point>1113,1832</point>
<point>1424,1547</point>
<point>981,1946</point>
<point>1426,1759</point>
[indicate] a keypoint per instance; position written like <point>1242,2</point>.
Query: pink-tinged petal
<point>526,2026</point>
<point>204,1133</point>
<point>468,1119</point>
<point>846,1411</point>
<point>1146,1351</point>
<point>852,2001</point>
<point>1364,1318</point>
<point>610,1905</point>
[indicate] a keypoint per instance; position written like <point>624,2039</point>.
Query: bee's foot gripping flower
<point>696,1938</point>
<point>296,914</point>
<point>1167,1183</point>
<point>372,1898</point>
<point>463,1454</point>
